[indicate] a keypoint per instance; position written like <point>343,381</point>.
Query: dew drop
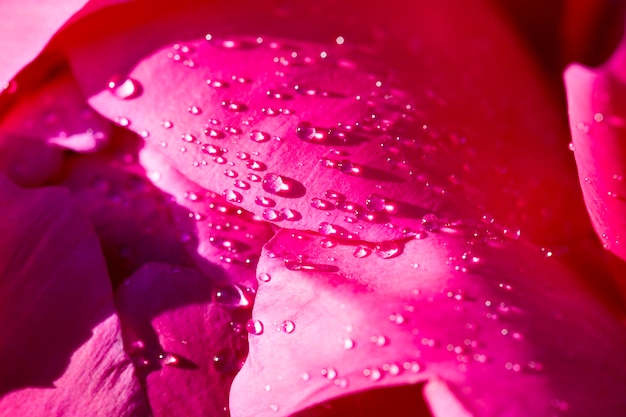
<point>241,184</point>
<point>233,106</point>
<point>275,184</point>
<point>213,133</point>
<point>327,229</point>
<point>348,344</point>
<point>166,124</point>
<point>255,165</point>
<point>305,131</point>
<point>287,326</point>
<point>232,196</point>
<point>264,277</point>
<point>254,327</point>
<point>374,374</point>
<point>264,201</point>
<point>320,204</point>
<point>328,243</point>
<point>388,250</point>
<point>259,137</point>
<point>348,167</point>
<point>290,214</point>
<point>125,88</point>
<point>242,155</point>
<point>271,214</point>
<point>328,373</point>
<point>379,340</point>
<point>375,203</point>
<point>231,296</point>
<point>194,110</point>
<point>361,252</point>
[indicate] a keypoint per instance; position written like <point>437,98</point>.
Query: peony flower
<point>318,208</point>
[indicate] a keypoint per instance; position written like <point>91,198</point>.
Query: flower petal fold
<point>597,111</point>
<point>61,341</point>
<point>185,346</point>
<point>497,326</point>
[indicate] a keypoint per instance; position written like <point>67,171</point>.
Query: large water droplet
<point>275,184</point>
<point>125,88</point>
<point>307,132</point>
<point>388,250</point>
<point>232,196</point>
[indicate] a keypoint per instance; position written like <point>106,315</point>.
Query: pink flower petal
<point>437,131</point>
<point>496,329</point>
<point>61,341</point>
<point>186,347</point>
<point>596,101</point>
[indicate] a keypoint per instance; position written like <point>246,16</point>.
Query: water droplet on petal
<point>275,184</point>
<point>194,110</point>
<point>254,327</point>
<point>232,196</point>
<point>271,215</point>
<point>375,203</point>
<point>373,374</point>
<point>290,214</point>
<point>258,136</point>
<point>388,250</point>
<point>233,106</point>
<point>320,204</point>
<point>348,344</point>
<point>167,124</point>
<point>328,373</point>
<point>125,88</point>
<point>264,277</point>
<point>361,252</point>
<point>287,326</point>
<point>430,222</point>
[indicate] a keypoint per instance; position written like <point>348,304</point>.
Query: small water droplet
<point>264,201</point>
<point>217,83</point>
<point>348,344</point>
<point>379,340</point>
<point>259,137</point>
<point>348,167</point>
<point>328,243</point>
<point>375,203</point>
<point>290,214</point>
<point>242,185</point>
<point>255,165</point>
<point>374,374</point>
<point>232,196</point>
<point>233,106</point>
<point>388,250</point>
<point>254,327</point>
<point>195,110</point>
<point>188,137</point>
<point>264,277</point>
<point>320,204</point>
<point>361,252</point>
<point>213,133</point>
<point>307,132</point>
<point>166,124</point>
<point>122,121</point>
<point>329,373</point>
<point>287,326</point>
<point>271,215</point>
<point>125,88</point>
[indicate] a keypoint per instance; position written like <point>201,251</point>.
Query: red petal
<point>495,328</point>
<point>61,344</point>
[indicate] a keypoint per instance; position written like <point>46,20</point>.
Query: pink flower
<point>305,209</point>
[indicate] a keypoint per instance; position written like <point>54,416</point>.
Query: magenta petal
<point>494,329</point>
<point>212,229</point>
<point>184,345</point>
<point>438,134</point>
<point>60,339</point>
<point>597,107</point>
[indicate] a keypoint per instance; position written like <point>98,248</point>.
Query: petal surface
<point>61,339</point>
<point>417,113</point>
<point>494,328</point>
<point>597,105</point>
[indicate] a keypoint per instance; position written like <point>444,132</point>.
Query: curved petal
<point>212,228</point>
<point>498,327</point>
<point>596,99</point>
<point>61,341</point>
<point>186,347</point>
<point>422,118</point>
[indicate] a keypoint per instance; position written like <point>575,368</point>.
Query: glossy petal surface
<point>494,327</point>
